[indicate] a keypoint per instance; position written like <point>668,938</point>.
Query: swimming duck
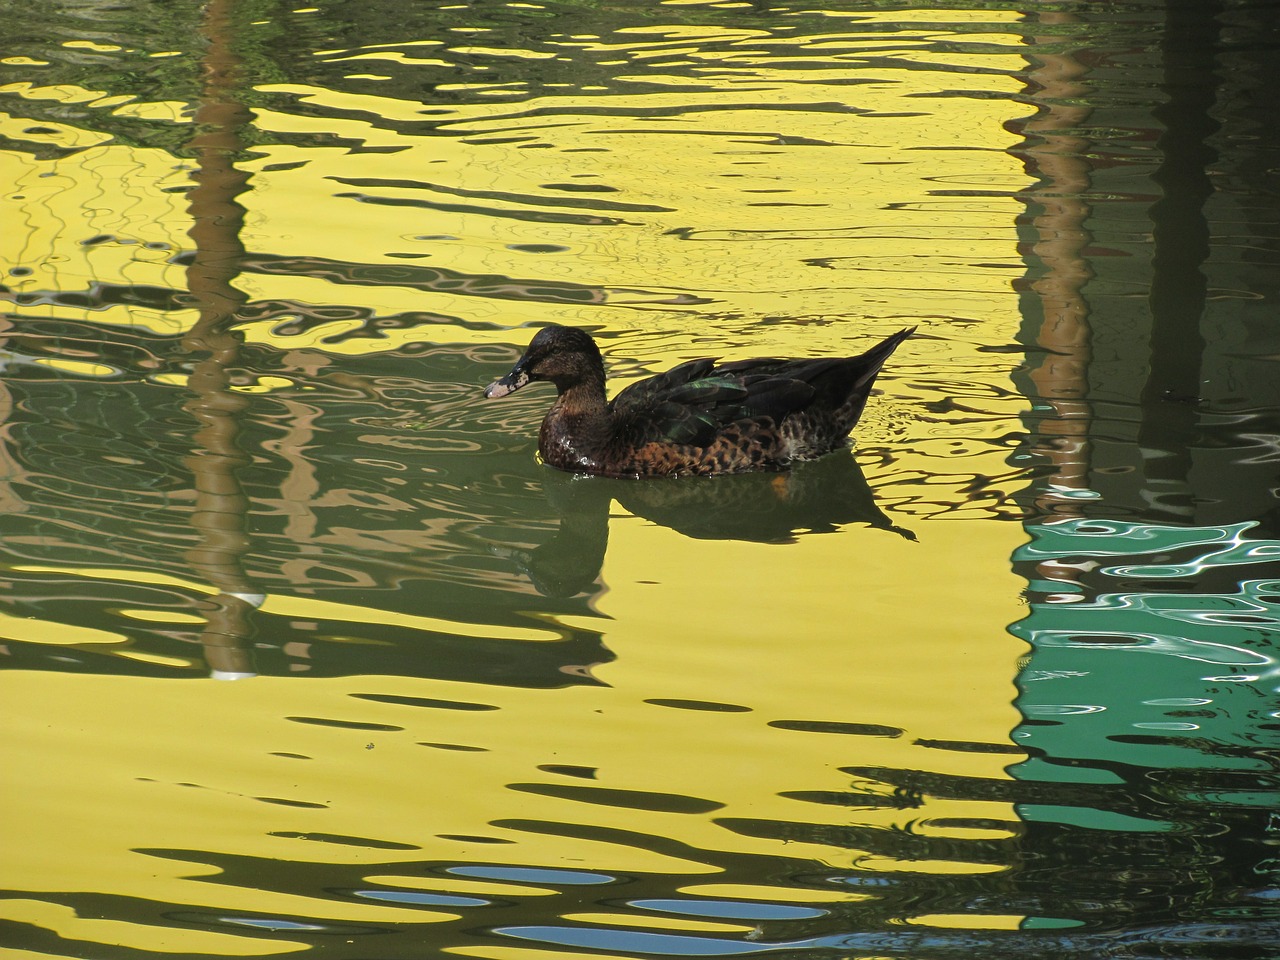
<point>698,418</point>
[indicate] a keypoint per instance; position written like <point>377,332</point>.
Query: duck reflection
<point>814,497</point>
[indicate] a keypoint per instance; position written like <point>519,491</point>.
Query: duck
<point>700,418</point>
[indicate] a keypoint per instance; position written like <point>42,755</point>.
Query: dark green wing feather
<point>691,403</point>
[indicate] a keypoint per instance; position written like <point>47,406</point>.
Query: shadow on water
<point>814,497</point>
<point>397,562</point>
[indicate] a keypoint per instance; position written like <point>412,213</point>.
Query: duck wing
<point>692,402</point>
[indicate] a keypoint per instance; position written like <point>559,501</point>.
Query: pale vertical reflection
<point>10,502</point>
<point>301,486</point>
<point>217,218</point>
<point>1056,159</point>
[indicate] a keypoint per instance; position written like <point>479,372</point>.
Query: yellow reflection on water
<point>306,608</point>
<point>234,767</point>
<point>67,923</point>
<point>34,630</point>
<point>745,891</point>
<point>75,367</point>
<point>970,921</point>
<point>767,234</point>
<point>840,624</point>
<point>656,922</point>
<point>115,196</point>
<point>773,211</point>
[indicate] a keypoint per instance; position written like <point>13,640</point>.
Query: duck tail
<point>874,359</point>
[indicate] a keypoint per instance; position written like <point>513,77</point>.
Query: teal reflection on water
<point>1153,646</point>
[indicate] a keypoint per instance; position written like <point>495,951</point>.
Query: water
<point>304,650</point>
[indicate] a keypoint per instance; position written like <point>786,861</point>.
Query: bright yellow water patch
<point>958,868</point>
<point>47,133</point>
<point>314,608</point>
<point>966,832</point>
<point>36,630</point>
<point>360,777</point>
<point>761,255</point>
<point>392,55</point>
<point>504,52</point>
<point>762,619</point>
<point>463,886</point>
<point>97,810</point>
<point>79,368</point>
<point>970,921</point>
<point>120,934</point>
<point>653,921</point>
<point>126,576</point>
<point>92,45</point>
<point>264,385</point>
<point>105,191</point>
<point>947,15</point>
<point>742,891</point>
<point>307,608</point>
<point>158,660</point>
<point>114,101</point>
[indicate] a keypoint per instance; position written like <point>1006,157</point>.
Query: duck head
<point>564,356</point>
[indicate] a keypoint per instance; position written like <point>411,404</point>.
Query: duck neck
<point>578,426</point>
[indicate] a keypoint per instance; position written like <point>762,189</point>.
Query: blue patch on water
<point>731,909</point>
<point>632,941</point>
<point>531,875</point>
<point>422,898</point>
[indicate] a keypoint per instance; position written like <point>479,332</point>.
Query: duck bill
<point>512,382</point>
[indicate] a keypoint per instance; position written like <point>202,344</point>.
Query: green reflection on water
<point>1153,646</point>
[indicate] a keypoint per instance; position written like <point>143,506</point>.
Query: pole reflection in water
<point>221,507</point>
<point>1059,321</point>
<point>1148,697</point>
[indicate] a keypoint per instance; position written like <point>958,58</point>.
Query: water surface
<point>306,652</point>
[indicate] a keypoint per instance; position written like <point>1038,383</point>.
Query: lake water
<point>305,652</point>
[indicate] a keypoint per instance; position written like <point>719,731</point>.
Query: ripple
<point>838,727</point>
<point>628,799</point>
<point>365,842</point>
<point>422,702</point>
<point>345,724</point>
<point>699,705</point>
